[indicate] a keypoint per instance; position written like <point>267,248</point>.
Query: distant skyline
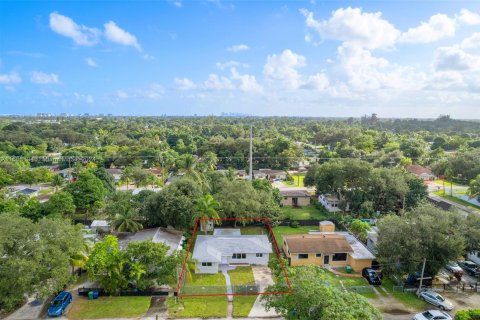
<point>399,59</point>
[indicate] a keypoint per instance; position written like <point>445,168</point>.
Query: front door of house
<point>326,259</point>
<point>295,202</point>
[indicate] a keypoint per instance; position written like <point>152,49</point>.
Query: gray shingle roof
<point>212,248</point>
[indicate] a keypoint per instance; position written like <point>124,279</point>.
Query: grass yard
<point>109,307</point>
<point>448,184</point>
<point>197,307</point>
<point>201,280</point>
<point>242,305</point>
<point>281,230</point>
<point>334,280</point>
<point>305,213</point>
<point>297,181</point>
<point>455,199</point>
<point>409,299</point>
<point>241,275</point>
<point>249,230</point>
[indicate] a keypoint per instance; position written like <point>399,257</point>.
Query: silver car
<point>437,300</point>
<point>453,267</point>
<point>432,315</point>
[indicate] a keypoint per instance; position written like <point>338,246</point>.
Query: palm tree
<point>80,259</point>
<point>206,208</point>
<point>126,221</point>
<point>57,181</point>
<point>188,167</point>
<point>210,161</point>
<point>127,175</point>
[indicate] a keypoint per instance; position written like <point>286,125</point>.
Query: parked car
<point>471,268</point>
<point>453,267</point>
<point>414,279</point>
<point>432,315</point>
<point>371,276</point>
<point>437,300</point>
<point>59,304</point>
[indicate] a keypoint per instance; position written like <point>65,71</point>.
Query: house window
<point>303,256</point>
<point>239,256</point>
<point>259,255</point>
<point>339,257</point>
<point>206,264</point>
<point>318,255</point>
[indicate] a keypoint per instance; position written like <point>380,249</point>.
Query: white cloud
<point>87,98</point>
<point>66,27</point>
<point>247,83</point>
<point>230,64</point>
<point>439,26</point>
<point>39,77</point>
<point>468,17</point>
<point>184,83</point>
<point>122,94</point>
<point>454,58</point>
<point>117,35</point>
<point>215,82</point>
<point>283,67</point>
<point>10,78</point>
<point>238,47</point>
<point>471,42</point>
<point>176,3</point>
<point>317,82</point>
<point>154,92</point>
<point>351,25</point>
<point>90,62</point>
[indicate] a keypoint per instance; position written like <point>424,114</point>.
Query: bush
<point>471,314</point>
<point>294,224</point>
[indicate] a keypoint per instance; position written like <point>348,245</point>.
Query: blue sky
<point>300,58</point>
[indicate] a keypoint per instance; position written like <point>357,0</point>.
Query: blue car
<point>59,304</point>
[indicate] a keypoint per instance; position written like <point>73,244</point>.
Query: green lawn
<point>334,280</point>
<point>242,305</point>
<point>448,184</point>
<point>278,232</point>
<point>109,307</point>
<point>241,275</point>
<point>197,307</point>
<point>409,299</point>
<point>297,181</point>
<point>455,199</point>
<point>201,280</point>
<point>253,230</point>
<point>305,213</point>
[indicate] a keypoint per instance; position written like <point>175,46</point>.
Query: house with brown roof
<point>295,197</point>
<point>421,172</point>
<point>327,249</point>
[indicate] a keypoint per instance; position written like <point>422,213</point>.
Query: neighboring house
<point>268,174</point>
<point>421,172</point>
<point>168,236</point>
<point>66,174</point>
<point>140,189</point>
<point>116,173</point>
<point>372,240</point>
<point>327,249</point>
<point>330,202</point>
<point>103,225</point>
<point>157,172</point>
<point>295,198</point>
<point>474,256</point>
<point>229,247</point>
<point>29,192</point>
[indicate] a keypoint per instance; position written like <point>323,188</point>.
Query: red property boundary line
<point>266,221</point>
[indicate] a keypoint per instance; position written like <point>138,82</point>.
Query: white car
<point>432,315</point>
<point>453,267</point>
<point>437,300</point>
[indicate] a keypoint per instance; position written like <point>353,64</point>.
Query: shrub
<point>471,314</point>
<point>294,224</point>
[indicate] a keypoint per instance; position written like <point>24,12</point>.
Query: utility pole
<point>250,172</point>
<point>421,277</point>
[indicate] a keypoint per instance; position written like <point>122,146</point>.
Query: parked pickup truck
<point>470,268</point>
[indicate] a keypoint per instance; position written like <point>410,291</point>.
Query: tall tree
<point>313,298</point>
<point>206,208</point>
<point>126,221</point>
<point>59,205</point>
<point>57,181</point>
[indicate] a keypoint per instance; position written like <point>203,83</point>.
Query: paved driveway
<point>263,278</point>
<point>30,310</point>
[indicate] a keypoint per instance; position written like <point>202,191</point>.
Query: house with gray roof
<point>230,247</point>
